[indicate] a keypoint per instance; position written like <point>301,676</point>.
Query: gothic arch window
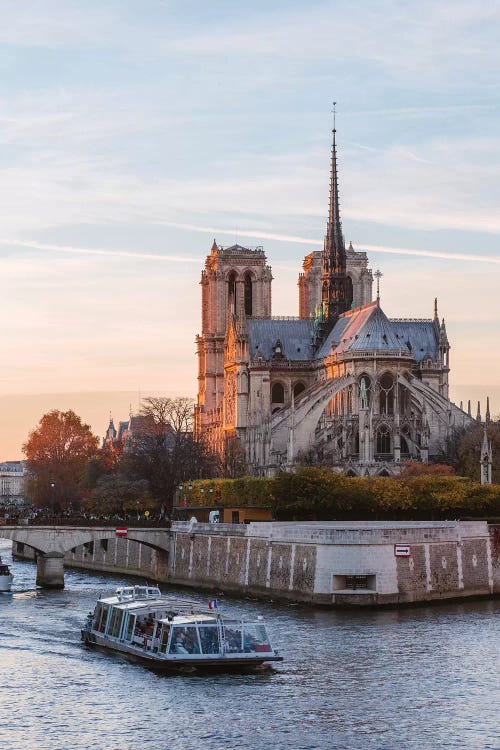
<point>384,473</point>
<point>350,473</point>
<point>247,282</point>
<point>383,439</point>
<point>278,394</point>
<point>244,382</point>
<point>404,445</point>
<point>386,388</point>
<point>404,400</point>
<point>297,389</point>
<point>231,292</point>
<point>356,443</point>
<point>349,290</point>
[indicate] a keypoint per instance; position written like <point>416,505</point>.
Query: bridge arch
<point>51,543</point>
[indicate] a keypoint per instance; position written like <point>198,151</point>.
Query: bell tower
<point>235,283</point>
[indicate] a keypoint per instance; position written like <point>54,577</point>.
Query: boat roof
<point>138,598</point>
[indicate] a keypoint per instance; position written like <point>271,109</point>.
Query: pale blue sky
<point>134,131</point>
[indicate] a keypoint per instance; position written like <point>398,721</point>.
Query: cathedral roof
<point>420,334</point>
<point>367,328</point>
<point>295,335</point>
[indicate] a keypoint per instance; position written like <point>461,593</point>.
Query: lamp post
<point>52,500</point>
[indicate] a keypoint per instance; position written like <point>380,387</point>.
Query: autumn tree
<point>411,469</point>
<point>57,452</point>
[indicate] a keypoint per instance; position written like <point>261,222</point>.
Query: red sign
<point>121,531</point>
<point>402,550</point>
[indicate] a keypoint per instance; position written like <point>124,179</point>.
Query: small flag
<point>121,531</point>
<point>213,604</point>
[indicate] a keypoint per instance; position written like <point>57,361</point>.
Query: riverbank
<point>333,564</point>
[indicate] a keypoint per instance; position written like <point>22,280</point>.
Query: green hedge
<point>247,492</point>
<point>317,494</point>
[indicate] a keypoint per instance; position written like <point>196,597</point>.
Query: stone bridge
<point>52,542</point>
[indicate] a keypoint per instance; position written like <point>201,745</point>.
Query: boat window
<point>255,638</point>
<point>97,617</point>
<point>185,640</point>
<point>209,637</point>
<point>101,618</point>
<point>144,624</point>
<point>164,638</point>
<point>234,637</point>
<point>116,622</point>
<point>130,627</point>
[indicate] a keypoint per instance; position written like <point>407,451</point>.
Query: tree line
<point>317,494</point>
<point>69,473</point>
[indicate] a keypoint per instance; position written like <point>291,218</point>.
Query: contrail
<point>100,251</point>
<point>360,246</point>
<point>242,233</point>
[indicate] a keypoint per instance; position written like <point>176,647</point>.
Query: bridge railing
<point>130,523</point>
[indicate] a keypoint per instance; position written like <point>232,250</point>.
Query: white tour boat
<point>6,577</point>
<point>170,633</point>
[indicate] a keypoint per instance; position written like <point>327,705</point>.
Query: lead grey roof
<point>421,334</point>
<point>367,328</point>
<point>295,336</point>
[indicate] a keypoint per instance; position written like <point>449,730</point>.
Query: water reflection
<point>413,678</point>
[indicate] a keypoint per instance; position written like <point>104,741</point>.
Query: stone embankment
<point>336,563</point>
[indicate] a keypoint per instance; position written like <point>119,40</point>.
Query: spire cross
<point>378,275</point>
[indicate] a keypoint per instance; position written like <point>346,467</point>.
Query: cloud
<point>109,253</point>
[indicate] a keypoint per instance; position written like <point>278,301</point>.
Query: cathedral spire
<point>488,415</point>
<point>337,289</point>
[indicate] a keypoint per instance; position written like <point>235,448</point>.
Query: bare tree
<point>164,451</point>
<point>175,412</point>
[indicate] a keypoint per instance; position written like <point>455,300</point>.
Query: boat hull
<point>6,582</point>
<point>180,663</point>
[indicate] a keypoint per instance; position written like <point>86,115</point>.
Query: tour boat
<point>6,577</point>
<point>170,633</point>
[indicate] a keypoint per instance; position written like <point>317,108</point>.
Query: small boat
<point>6,577</point>
<point>173,634</point>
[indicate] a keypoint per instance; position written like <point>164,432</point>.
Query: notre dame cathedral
<point>341,384</point>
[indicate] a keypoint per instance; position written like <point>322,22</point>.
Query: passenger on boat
<point>180,644</point>
<point>191,646</point>
<point>250,643</point>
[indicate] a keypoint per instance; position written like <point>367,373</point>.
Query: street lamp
<point>52,487</point>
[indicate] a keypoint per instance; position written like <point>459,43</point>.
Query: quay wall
<point>336,564</point>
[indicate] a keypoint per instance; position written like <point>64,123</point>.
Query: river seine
<point>425,677</point>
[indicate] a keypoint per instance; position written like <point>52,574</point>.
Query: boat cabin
<point>139,616</point>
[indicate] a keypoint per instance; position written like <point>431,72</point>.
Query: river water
<point>424,677</point>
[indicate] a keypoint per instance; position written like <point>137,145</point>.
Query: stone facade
<point>341,382</point>
<point>333,564</point>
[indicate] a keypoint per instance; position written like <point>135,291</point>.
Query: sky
<point>134,132</point>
